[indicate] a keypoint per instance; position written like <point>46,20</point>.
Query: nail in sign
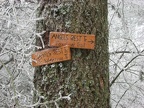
<point>49,56</point>
<point>84,41</point>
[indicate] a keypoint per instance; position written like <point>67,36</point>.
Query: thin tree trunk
<point>86,76</point>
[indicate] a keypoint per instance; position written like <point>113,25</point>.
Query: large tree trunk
<point>86,76</point>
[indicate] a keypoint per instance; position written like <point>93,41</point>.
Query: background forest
<point>126,49</point>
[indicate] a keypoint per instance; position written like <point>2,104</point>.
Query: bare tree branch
<point>113,81</point>
<point>119,52</point>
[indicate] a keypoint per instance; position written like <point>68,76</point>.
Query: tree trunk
<point>86,76</point>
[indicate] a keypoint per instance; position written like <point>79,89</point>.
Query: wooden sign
<point>84,41</point>
<point>52,55</point>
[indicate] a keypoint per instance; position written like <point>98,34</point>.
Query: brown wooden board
<point>84,41</point>
<point>52,55</point>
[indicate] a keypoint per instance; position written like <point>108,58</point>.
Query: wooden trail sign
<point>84,41</point>
<point>52,55</point>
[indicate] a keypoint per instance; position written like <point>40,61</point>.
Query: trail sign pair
<point>64,41</point>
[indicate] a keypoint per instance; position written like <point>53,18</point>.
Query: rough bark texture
<point>86,76</point>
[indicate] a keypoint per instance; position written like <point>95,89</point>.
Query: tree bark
<point>86,76</point>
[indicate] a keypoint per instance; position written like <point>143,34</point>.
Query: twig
<point>11,59</point>
<point>125,93</point>
<point>113,81</point>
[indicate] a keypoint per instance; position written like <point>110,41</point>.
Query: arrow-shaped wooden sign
<point>84,41</point>
<point>52,55</point>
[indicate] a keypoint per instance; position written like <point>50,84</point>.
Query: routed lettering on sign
<point>49,56</point>
<point>84,41</point>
